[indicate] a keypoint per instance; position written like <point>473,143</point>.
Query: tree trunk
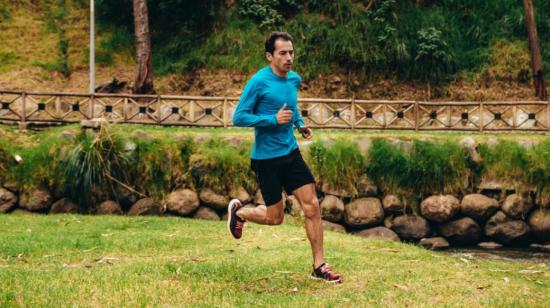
<point>144,71</point>
<point>536,58</point>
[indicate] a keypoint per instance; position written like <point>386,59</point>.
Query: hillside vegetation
<point>343,46</point>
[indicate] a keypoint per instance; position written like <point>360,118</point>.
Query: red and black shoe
<point>235,224</point>
<point>325,273</point>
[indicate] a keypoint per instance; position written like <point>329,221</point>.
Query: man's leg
<point>314,228</point>
<point>264,215</point>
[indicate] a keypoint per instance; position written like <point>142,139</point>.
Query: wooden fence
<point>320,113</point>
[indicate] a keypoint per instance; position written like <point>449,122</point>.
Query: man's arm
<point>244,113</point>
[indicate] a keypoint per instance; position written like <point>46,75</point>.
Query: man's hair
<point>276,35</point>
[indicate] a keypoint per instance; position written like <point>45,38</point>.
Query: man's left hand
<point>306,132</point>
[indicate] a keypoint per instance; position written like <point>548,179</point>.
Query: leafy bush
<point>339,164</point>
<point>268,13</point>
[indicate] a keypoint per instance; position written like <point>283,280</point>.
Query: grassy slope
<point>128,261</point>
<point>31,43</point>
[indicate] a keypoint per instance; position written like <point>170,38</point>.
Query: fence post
<point>92,106</point>
<point>24,98</point>
<point>514,116</point>
<point>481,116</point>
<point>352,117</point>
<point>125,111</point>
<point>416,120</point>
<point>159,107</point>
<point>225,111</point>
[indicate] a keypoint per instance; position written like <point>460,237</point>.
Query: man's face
<point>282,57</point>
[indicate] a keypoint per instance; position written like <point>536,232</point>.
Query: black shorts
<point>289,172</point>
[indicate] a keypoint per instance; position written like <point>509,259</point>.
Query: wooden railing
<point>321,113</point>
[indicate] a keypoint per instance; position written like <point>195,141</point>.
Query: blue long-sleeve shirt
<point>264,94</point>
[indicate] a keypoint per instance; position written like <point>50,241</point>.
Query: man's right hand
<point>284,116</point>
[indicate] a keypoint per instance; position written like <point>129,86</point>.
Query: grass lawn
<point>71,260</point>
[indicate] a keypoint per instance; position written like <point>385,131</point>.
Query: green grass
<point>68,260</point>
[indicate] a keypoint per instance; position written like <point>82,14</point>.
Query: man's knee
<point>275,220</point>
<point>311,208</point>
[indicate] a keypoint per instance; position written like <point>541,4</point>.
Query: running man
<point>269,103</point>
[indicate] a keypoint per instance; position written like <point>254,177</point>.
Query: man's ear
<point>268,56</point>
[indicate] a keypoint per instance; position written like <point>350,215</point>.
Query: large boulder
<point>364,212</point>
<point>539,221</point>
<point>434,243</point>
<point>463,231</point>
<point>392,204</point>
<point>109,207</point>
<point>330,189</point>
<point>478,206</point>
<point>182,201</point>
<point>439,208</point>
<point>7,200</point>
<point>145,206</point>
<point>332,208</point>
<point>64,205</point>
<point>517,206</point>
<point>206,213</point>
<point>241,194</point>
<point>410,227</point>
<point>214,200</point>
<point>506,230</point>
<point>330,226</point>
<point>379,232</point>
<point>37,200</point>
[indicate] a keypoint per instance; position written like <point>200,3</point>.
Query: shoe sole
<point>327,281</point>
<point>232,204</point>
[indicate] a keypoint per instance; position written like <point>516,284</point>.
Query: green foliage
<point>433,59</point>
<point>56,23</point>
<point>268,13</point>
<point>160,165</point>
<point>223,167</point>
<point>509,61</point>
<point>539,171</point>
<point>39,163</point>
<point>339,164</point>
<point>94,167</point>
<point>507,162</point>
<point>238,46</point>
<point>6,160</point>
<point>428,168</point>
<point>117,41</point>
<point>177,27</point>
<point>386,165</point>
<point>436,168</point>
<point>4,13</point>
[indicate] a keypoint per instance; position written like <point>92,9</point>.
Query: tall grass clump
<point>427,168</point>
<point>222,167</point>
<point>386,165</point>
<point>339,164</point>
<point>95,167</point>
<point>6,160</point>
<point>507,162</point>
<point>539,171</point>
<point>160,165</point>
<point>436,168</point>
<point>39,164</point>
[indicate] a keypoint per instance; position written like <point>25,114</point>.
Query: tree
<point>536,58</point>
<point>144,55</point>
